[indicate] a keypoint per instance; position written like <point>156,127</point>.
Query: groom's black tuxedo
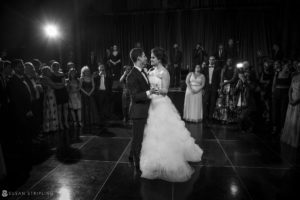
<point>137,86</point>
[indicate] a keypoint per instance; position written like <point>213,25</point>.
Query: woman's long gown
<point>291,131</point>
<point>167,146</point>
<point>193,106</point>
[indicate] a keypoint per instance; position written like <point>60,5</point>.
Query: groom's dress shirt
<point>210,71</point>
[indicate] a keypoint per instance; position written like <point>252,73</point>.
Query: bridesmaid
<point>73,86</point>
<point>195,81</point>
<point>291,130</point>
<point>61,94</point>
<point>89,109</point>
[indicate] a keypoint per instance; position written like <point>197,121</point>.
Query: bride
<point>167,146</point>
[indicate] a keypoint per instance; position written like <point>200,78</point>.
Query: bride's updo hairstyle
<point>160,54</point>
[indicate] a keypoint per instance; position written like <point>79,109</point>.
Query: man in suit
<point>30,77</point>
<point>220,56</point>
<point>20,141</point>
<point>212,83</point>
<point>102,91</point>
<point>139,89</point>
<point>199,54</point>
<point>176,60</point>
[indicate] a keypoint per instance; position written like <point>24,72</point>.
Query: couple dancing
<point>161,145</point>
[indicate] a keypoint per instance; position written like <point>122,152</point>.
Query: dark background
<point>95,25</point>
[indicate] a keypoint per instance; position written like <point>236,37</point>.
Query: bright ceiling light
<point>51,31</point>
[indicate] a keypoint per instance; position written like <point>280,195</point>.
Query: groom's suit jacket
<point>138,86</point>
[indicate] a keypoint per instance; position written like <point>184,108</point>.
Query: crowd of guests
<point>38,100</point>
<point>239,93</point>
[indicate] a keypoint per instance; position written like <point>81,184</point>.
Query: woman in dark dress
<point>266,89</point>
<point>61,94</point>
<point>89,110</point>
<point>115,62</point>
<point>280,95</point>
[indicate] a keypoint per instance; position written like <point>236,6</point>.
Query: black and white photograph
<point>149,99</point>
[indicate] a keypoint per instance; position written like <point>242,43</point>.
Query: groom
<point>139,89</point>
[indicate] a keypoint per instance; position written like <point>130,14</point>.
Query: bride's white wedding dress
<point>167,145</point>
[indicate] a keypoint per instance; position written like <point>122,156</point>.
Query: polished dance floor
<point>235,165</point>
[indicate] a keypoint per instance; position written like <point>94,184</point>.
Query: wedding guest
<point>193,110</point>
<point>70,65</point>
<point>50,114</point>
<point>232,50</point>
<point>266,79</point>
<point>276,52</point>
<point>20,143</point>
<point>115,62</point>
<point>61,94</point>
<point>246,106</point>
<point>212,83</point>
<point>73,86</point>
<point>37,65</point>
<point>125,95</point>
<point>199,54</point>
<point>280,98</point>
<point>220,56</point>
<point>175,68</point>
<point>291,129</point>
<point>260,58</point>
<point>102,92</point>
<point>89,110</point>
<point>35,90</point>
<point>226,112</point>
<point>203,66</point>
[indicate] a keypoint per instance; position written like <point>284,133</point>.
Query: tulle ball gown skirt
<point>167,145</point>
